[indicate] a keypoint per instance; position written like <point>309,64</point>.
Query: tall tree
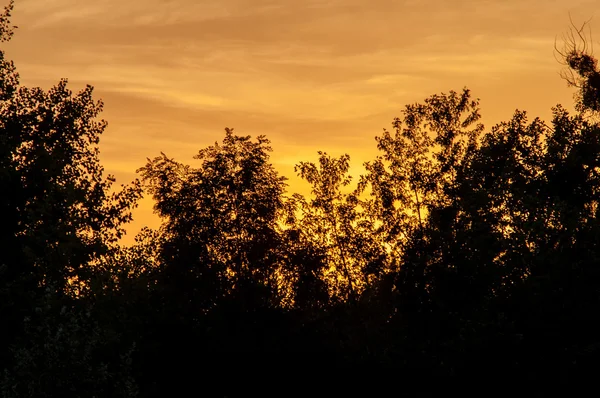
<point>59,217</point>
<point>220,225</point>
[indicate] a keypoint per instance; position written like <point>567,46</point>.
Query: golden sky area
<point>311,75</point>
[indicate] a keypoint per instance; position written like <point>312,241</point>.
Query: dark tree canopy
<point>58,218</point>
<point>464,256</point>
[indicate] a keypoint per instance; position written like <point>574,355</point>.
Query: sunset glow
<point>311,75</point>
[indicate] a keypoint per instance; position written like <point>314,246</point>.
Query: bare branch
<point>577,54</point>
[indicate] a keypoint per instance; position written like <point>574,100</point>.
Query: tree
<point>421,161</point>
<point>500,262</point>
<point>220,261</point>
<point>58,206</point>
<point>58,218</point>
<point>582,67</point>
<point>417,174</point>
<point>220,230</point>
<point>334,223</point>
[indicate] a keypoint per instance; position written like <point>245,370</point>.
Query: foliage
<point>336,225</point>
<point>463,253</point>
<point>63,353</point>
<point>58,218</point>
<point>221,216</point>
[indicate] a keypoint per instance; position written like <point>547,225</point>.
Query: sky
<point>311,75</point>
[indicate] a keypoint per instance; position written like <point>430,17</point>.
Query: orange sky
<point>311,75</point>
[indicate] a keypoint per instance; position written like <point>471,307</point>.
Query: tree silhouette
<point>221,218</point>
<point>464,255</point>
<point>327,222</point>
<point>58,218</point>
<point>582,67</point>
<point>220,256</point>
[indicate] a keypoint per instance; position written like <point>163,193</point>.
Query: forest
<point>464,258</point>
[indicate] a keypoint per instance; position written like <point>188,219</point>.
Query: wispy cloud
<point>312,74</point>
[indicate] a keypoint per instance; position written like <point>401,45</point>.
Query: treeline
<point>464,255</point>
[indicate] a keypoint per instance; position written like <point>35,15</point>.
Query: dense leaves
<point>59,217</point>
<point>462,254</point>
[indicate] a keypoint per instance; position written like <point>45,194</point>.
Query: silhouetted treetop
<point>582,67</point>
<point>222,215</point>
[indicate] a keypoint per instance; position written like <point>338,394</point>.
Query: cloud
<point>311,74</point>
